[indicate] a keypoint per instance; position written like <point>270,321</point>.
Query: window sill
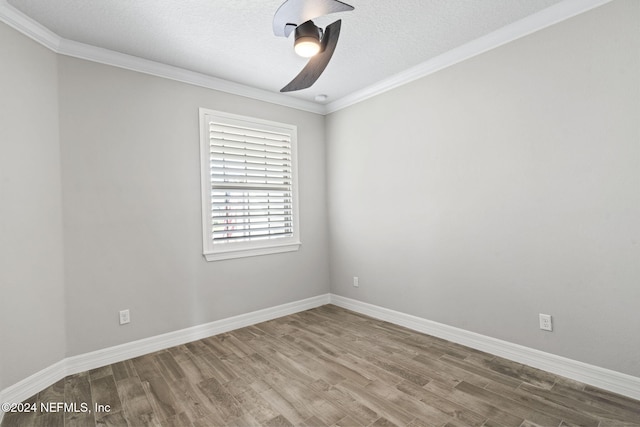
<point>249,252</point>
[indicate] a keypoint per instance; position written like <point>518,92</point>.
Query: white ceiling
<point>233,40</point>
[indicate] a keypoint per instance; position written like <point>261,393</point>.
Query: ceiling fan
<point>310,41</point>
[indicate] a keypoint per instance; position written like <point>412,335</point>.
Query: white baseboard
<point>593,375</point>
<point>596,376</point>
<point>95,359</point>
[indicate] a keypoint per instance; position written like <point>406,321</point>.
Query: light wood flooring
<point>327,367</point>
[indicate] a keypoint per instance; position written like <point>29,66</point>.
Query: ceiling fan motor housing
<point>307,39</point>
<point>308,29</point>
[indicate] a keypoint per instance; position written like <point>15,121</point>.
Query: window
<point>249,186</point>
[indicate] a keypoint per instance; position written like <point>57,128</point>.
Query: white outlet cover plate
<point>124,317</point>
<point>545,322</point>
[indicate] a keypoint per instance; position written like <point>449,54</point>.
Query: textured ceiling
<point>233,39</point>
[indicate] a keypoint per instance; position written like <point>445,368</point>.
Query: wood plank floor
<point>326,367</point>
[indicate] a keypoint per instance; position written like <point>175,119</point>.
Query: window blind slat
<point>249,143</point>
<point>241,160</point>
<point>217,198</point>
<point>253,206</point>
<point>254,237</point>
<point>256,231</point>
<point>257,166</point>
<point>256,223</point>
<point>234,213</point>
<point>247,131</point>
<point>248,192</point>
<point>237,185</point>
<point>254,203</point>
<point>258,199</point>
<point>239,176</point>
<point>249,155</point>
<point>248,171</point>
<point>256,218</point>
<point>248,181</point>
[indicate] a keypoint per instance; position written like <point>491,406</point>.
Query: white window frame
<point>215,251</point>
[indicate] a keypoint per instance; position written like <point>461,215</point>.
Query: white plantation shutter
<point>249,184</point>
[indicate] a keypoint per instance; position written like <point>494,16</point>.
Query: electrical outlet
<point>124,317</point>
<point>545,322</point>
<point>356,282</point>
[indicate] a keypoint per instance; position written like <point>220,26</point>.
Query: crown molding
<point>27,26</point>
<point>32,29</point>
<point>538,21</point>
<point>532,23</point>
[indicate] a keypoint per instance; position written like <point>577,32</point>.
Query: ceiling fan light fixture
<point>307,47</point>
<point>307,40</point>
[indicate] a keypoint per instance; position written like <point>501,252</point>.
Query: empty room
<point>320,213</point>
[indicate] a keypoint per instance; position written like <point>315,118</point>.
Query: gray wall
<point>502,187</point>
<point>32,333</point>
<point>132,210</point>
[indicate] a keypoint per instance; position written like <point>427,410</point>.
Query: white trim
<point>27,26</point>
<point>599,377</point>
<point>106,356</point>
<point>243,253</point>
<point>252,247</point>
<point>34,30</point>
<point>596,376</point>
<point>538,21</point>
<point>33,384</point>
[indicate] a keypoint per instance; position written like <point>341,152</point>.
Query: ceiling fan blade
<point>318,63</point>
<point>294,12</point>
